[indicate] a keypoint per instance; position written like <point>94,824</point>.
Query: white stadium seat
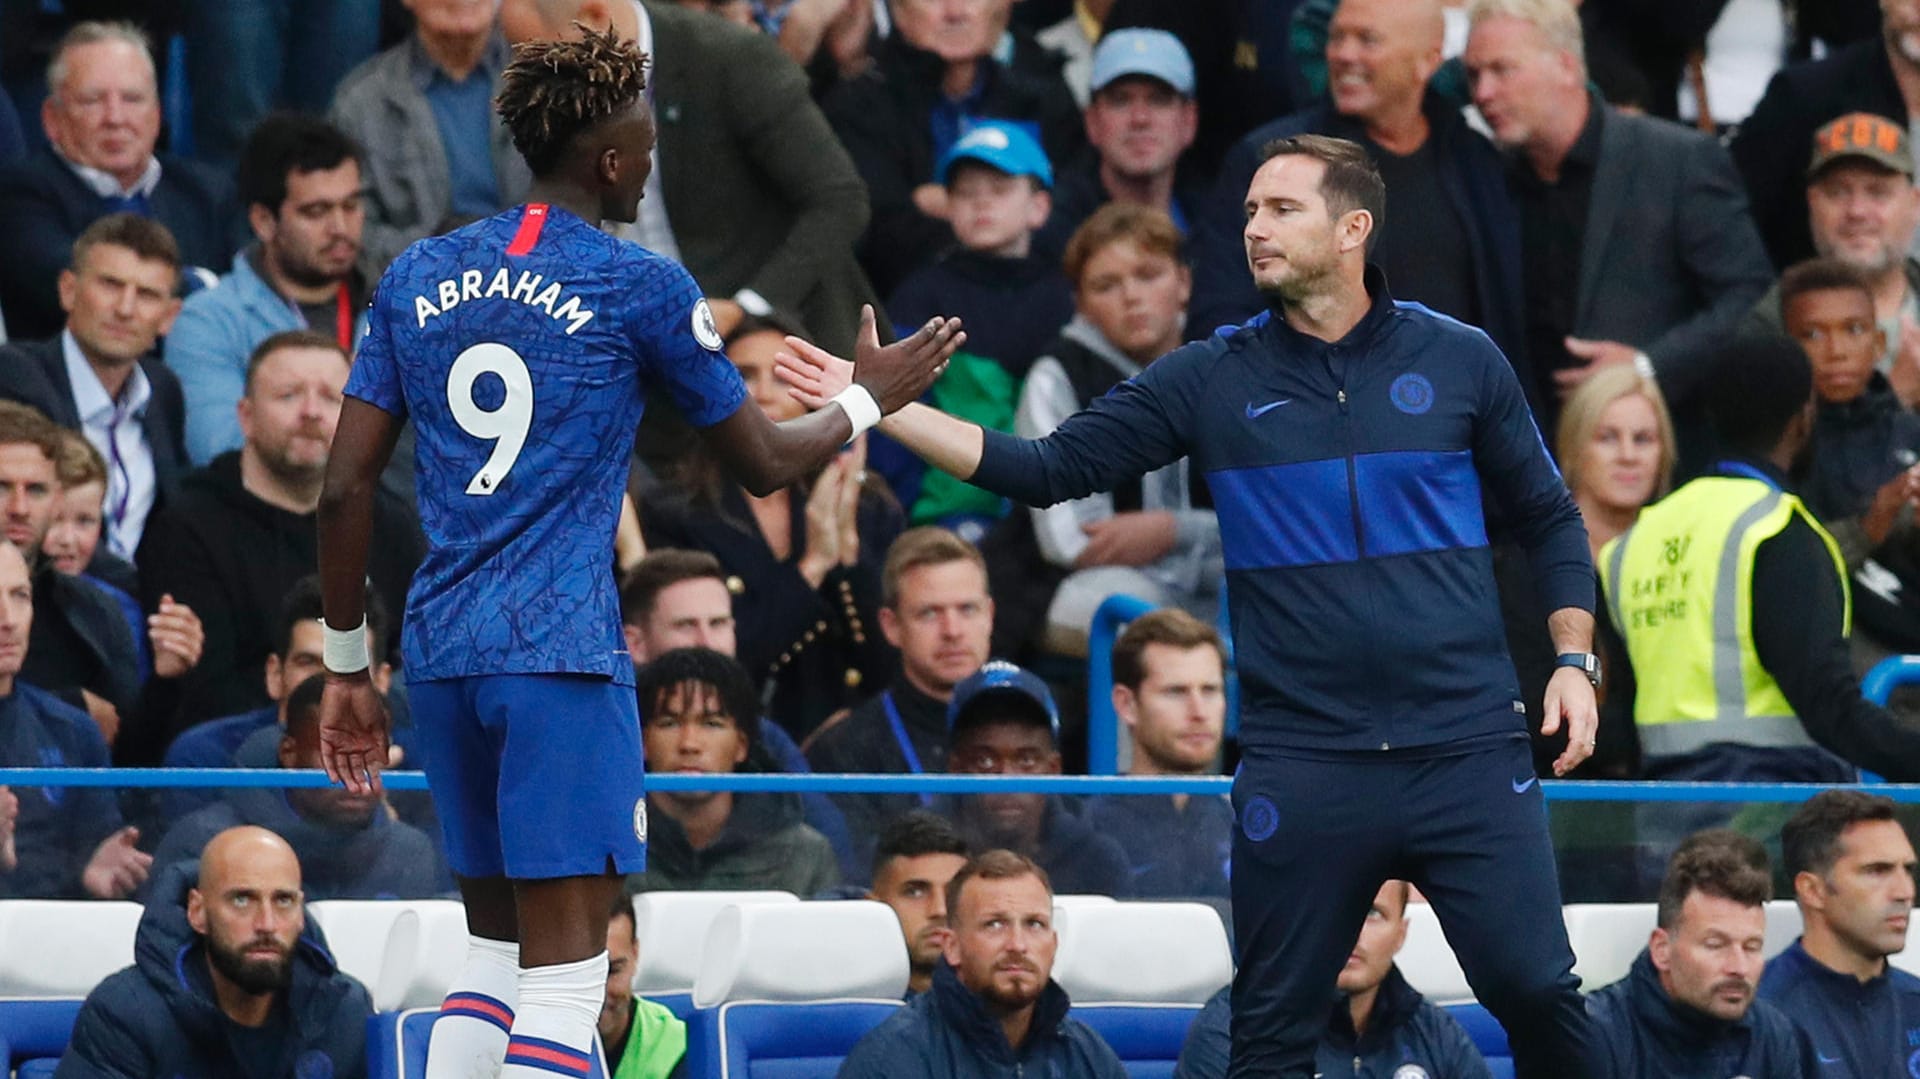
<point>56,948</point>
<point>1428,962</point>
<point>673,929</point>
<point>443,951</point>
<point>824,950</point>
<point>1606,939</point>
<point>1142,953</point>
<point>376,941</point>
<point>1783,925</point>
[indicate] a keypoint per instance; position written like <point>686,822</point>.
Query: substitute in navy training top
<point>1346,439</point>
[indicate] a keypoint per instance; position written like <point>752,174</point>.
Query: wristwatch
<point>1587,662</point>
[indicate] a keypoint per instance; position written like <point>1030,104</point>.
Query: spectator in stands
<point>101,376</point>
<point>102,120</point>
<point>1688,1006</point>
<point>436,154</point>
<point>298,644</point>
<point>1852,867</point>
<point>1004,722</point>
<point>81,647</point>
<point>1861,481</point>
<point>248,57</point>
<point>1464,258</point>
<point>1169,688</point>
<point>1607,286</point>
<point>697,715</point>
<point>1144,538</point>
<point>1673,586</point>
<point>228,978</point>
<point>241,531</point>
<point>935,609</point>
<point>807,557</point>
<point>167,642</point>
<point>351,845</point>
<point>918,853</point>
<point>994,1007</point>
<point>750,190</point>
<point>55,842</point>
<point>931,80</point>
<point>642,1039</point>
<point>301,184</point>
<point>1878,75</point>
<point>1140,121</point>
<point>1863,210</point>
<point>1379,1026</point>
<point>1013,300</point>
<point>676,598</point>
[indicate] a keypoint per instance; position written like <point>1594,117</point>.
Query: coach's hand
<point>898,374</point>
<point>354,725</point>
<point>1570,698</point>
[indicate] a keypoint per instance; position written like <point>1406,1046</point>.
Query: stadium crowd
<point>1689,227</point>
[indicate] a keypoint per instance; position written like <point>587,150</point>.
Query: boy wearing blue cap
<point>1004,722</point>
<point>998,183</point>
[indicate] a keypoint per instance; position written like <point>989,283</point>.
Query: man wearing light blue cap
<point>1140,121</point>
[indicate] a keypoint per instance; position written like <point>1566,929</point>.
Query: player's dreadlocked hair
<point>554,90</point>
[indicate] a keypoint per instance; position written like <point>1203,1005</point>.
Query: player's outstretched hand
<point>898,374</point>
<point>812,374</point>
<point>1570,698</point>
<point>354,725</point>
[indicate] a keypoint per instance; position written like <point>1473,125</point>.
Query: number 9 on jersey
<point>506,425</point>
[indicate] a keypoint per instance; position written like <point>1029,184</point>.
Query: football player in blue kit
<point>521,348</point>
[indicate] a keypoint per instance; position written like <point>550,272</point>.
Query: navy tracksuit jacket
<point>1859,1030</point>
<point>1380,721</point>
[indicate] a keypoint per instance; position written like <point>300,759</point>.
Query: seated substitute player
<point>521,348</point>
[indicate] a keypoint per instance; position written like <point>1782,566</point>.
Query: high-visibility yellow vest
<point>1679,586</point>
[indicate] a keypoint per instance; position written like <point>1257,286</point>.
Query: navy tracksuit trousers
<point>1315,839</point>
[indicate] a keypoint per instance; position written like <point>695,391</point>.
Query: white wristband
<point>344,651</point>
<point>860,407</point>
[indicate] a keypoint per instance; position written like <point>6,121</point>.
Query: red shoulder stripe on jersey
<point>529,233</point>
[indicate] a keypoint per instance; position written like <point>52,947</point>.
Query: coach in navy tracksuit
<point>1345,439</point>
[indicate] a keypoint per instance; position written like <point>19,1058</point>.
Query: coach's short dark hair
<point>1718,862</point>
<point>703,668</point>
<point>994,865</point>
<point>915,834</point>
<point>1821,275</point>
<point>148,239</point>
<point>285,143</point>
<point>1810,840</point>
<point>1760,383</point>
<point>290,339</point>
<point>660,570</point>
<point>1351,182</point>
<point>554,91</point>
<point>302,604</point>
<point>303,705</point>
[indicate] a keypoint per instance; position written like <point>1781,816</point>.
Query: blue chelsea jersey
<point>522,347</point>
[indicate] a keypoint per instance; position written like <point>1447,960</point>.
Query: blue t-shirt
<point>522,347</point>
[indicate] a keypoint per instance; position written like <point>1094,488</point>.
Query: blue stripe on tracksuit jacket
<point>1348,477</point>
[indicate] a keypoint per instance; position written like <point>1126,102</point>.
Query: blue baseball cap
<point>1012,690</point>
<point>1155,54</point>
<point>1002,145</point>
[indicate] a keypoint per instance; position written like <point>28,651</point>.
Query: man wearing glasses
<point>1004,722</point>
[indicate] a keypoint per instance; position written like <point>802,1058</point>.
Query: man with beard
<point>918,854</point>
<point>228,978</point>
<point>1687,1008</point>
<point>1852,868</point>
<point>643,1039</point>
<point>1004,723</point>
<point>301,184</point>
<point>350,844</point>
<point>994,1008</point>
<point>1863,209</point>
<point>241,532</point>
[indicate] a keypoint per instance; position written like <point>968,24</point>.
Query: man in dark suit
<point>102,118</point>
<point>1636,245</point>
<point>750,190</point>
<point>99,376</point>
<point>1880,75</point>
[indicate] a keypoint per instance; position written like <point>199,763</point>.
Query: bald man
<point>228,979</point>
<point>1462,258</point>
<point>751,191</point>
